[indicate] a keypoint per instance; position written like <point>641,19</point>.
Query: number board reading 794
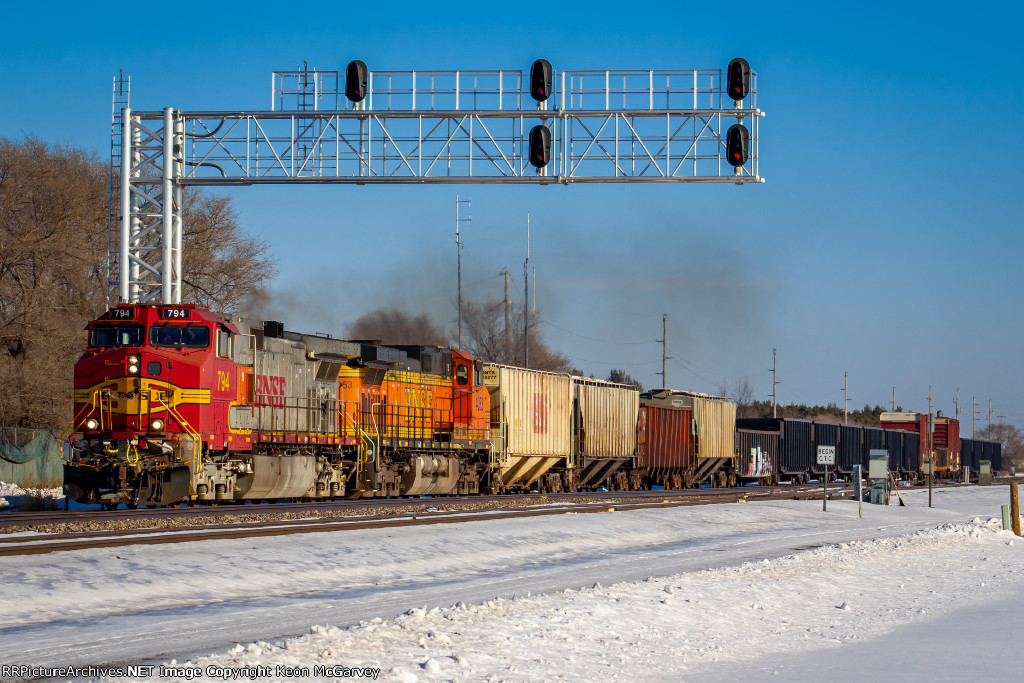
<point>174,314</point>
<point>121,314</point>
<point>826,455</point>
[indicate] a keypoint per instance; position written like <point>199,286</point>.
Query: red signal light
<point>737,143</point>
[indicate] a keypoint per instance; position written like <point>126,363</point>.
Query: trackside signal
<point>737,81</point>
<point>541,76</point>
<point>540,146</point>
<point>355,80</point>
<point>737,144</point>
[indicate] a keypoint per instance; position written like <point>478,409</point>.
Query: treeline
<point>867,416</point>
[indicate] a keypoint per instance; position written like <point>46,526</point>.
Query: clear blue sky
<point>886,241</point>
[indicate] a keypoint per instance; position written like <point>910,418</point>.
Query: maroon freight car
<point>685,439</point>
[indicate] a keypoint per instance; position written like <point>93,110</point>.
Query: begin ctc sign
<point>826,455</point>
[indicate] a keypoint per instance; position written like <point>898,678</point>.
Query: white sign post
<point>826,457</point>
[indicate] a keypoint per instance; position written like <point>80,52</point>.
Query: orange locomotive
<point>175,403</point>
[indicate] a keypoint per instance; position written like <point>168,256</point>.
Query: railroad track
<point>427,511</point>
<point>231,508</point>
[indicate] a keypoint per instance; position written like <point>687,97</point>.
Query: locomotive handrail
<point>376,451</point>
<point>69,430</point>
<point>362,433</point>
<point>197,448</point>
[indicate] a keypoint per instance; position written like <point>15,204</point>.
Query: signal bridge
<point>359,127</point>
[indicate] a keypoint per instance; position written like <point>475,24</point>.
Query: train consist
<point>176,403</point>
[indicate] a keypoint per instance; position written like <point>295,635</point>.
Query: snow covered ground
<point>12,495</point>
<point>758,591</point>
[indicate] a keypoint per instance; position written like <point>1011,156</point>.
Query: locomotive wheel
<point>131,506</point>
<point>109,506</point>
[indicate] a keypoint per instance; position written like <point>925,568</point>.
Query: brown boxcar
<point>664,442</point>
<point>944,441</point>
<point>946,444</point>
<point>677,454</point>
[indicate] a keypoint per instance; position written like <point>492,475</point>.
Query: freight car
<point>685,439</point>
<point>941,438</point>
<point>973,451</point>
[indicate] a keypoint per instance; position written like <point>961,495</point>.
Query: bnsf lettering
<point>270,391</point>
<point>419,398</point>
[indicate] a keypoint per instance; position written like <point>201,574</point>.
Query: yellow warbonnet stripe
<point>157,393</point>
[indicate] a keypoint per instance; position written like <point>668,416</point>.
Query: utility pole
<point>458,243</point>
<point>775,383</point>
<point>974,416</point>
<point>846,399</point>
<point>894,399</point>
<point>956,402</point>
<point>931,447</point>
<point>526,298</point>
<point>990,416</point>
<point>664,349</point>
<point>508,322</point>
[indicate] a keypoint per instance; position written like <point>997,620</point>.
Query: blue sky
<point>885,243</point>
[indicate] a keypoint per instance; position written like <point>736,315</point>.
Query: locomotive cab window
<point>181,336</point>
<point>462,374</point>
<point>223,343</point>
<point>116,335</point>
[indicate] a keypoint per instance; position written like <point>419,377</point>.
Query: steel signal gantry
<point>359,127</point>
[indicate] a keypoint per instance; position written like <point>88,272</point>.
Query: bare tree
<point>1012,440</point>
<point>490,341</point>
<point>53,206</point>
<point>393,326</point>
<point>744,395</point>
<point>223,267</point>
<point>53,251</point>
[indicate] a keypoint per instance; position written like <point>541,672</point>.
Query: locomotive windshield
<point>116,335</point>
<point>190,336</point>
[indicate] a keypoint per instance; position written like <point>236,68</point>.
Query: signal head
<point>737,81</point>
<point>540,146</point>
<point>540,80</point>
<point>355,80</point>
<point>737,144</point>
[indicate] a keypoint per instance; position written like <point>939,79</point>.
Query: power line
<point>603,341</point>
